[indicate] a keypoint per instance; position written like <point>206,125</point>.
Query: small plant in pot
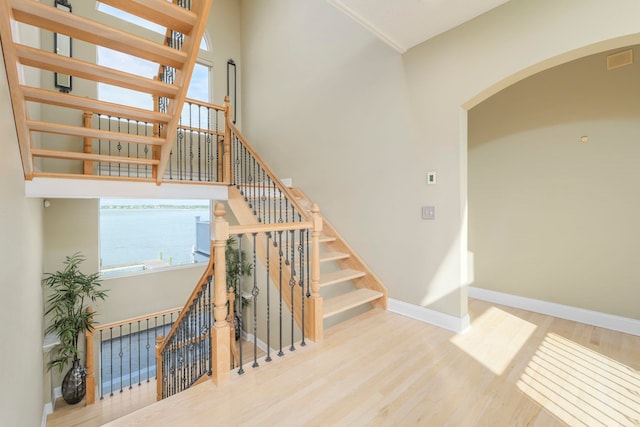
<point>237,266</point>
<point>70,290</point>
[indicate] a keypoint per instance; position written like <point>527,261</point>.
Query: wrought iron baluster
<point>101,366</point>
<point>120,355</point>
<point>302,279</point>
<point>280,256</point>
<point>210,323</point>
<point>292,285</point>
<point>130,358</point>
<point>148,347</point>
<point>139,350</point>
<point>239,303</point>
<point>255,291</point>
<point>268,279</point>
<point>111,361</point>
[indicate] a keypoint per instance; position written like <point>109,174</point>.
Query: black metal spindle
<point>148,346</point>
<point>292,285</point>
<point>101,367</point>
<point>268,279</point>
<point>255,291</point>
<point>120,355</point>
<point>302,280</point>
<point>139,350</point>
<point>280,255</point>
<point>238,291</point>
<point>111,361</point>
<point>130,360</point>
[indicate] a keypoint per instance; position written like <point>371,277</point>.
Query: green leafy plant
<point>236,263</point>
<point>71,288</point>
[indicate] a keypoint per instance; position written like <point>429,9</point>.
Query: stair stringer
<point>353,261</point>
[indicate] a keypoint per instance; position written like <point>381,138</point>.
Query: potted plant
<point>237,266</point>
<point>70,289</point>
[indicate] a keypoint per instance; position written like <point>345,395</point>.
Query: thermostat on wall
<point>431,177</point>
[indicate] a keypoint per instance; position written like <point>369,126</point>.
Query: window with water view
<point>145,234</point>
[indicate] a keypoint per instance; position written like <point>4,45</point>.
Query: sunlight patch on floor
<point>496,349</point>
<point>580,386</point>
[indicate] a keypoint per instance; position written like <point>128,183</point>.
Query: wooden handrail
<point>200,130</point>
<point>265,228</point>
<point>205,104</point>
<point>283,189</point>
<point>135,319</point>
<point>194,294</point>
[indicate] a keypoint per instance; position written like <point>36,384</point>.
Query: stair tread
<point>333,306</point>
<point>339,276</point>
<point>333,256</point>
<point>327,239</point>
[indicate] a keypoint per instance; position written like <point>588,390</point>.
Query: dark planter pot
<point>74,384</point>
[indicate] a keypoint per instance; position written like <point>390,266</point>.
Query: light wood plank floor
<point>513,368</point>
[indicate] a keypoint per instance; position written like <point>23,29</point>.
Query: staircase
<point>322,274</point>
<point>189,24</point>
<point>345,281</point>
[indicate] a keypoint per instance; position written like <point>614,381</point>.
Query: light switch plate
<point>428,212</point>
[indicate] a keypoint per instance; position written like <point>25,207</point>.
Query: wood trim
<point>205,104</point>
<point>135,319</point>
<point>160,12</point>
<point>60,129</point>
<point>91,177</point>
<point>50,61</point>
<point>191,47</point>
<point>265,228</point>
<point>201,130</point>
<point>66,100</point>
<point>14,79</point>
<point>78,27</point>
<point>284,189</point>
<point>74,155</point>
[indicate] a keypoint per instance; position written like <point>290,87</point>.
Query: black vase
<point>74,384</point>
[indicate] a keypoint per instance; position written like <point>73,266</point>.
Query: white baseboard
<point>261,344</point>
<point>48,409</point>
<point>581,315</point>
<point>433,317</point>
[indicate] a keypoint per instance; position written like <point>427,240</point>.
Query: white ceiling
<point>403,24</point>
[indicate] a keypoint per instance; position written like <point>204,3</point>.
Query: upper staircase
<point>183,21</point>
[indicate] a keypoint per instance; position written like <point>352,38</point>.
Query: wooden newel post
<point>159,382</point>
<point>313,322</point>
<point>90,365</point>
<point>88,144</point>
<point>226,154</point>
<point>221,348</point>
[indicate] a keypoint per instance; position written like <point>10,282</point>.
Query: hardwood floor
<point>512,368</point>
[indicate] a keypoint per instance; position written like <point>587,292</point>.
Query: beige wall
<point>358,126</point>
<point>21,358</point>
<point>550,217</point>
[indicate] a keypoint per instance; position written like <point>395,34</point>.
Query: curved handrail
<point>208,272</point>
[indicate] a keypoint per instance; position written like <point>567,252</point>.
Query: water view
<point>134,231</point>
